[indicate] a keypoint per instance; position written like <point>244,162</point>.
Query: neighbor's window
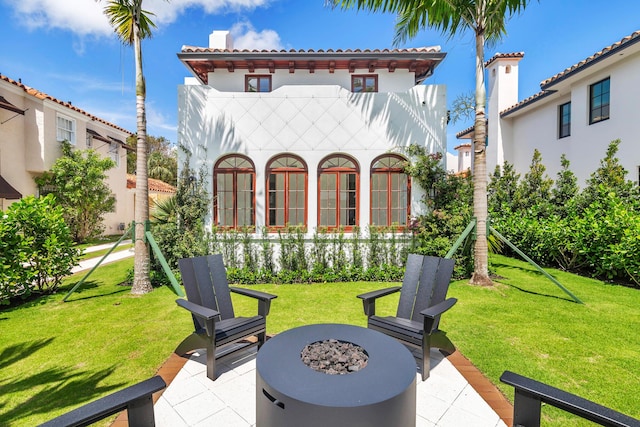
<point>364,83</point>
<point>338,189</point>
<point>564,120</point>
<point>66,129</point>
<point>389,191</point>
<point>234,202</point>
<point>257,84</point>
<point>286,191</point>
<point>113,153</point>
<point>599,101</point>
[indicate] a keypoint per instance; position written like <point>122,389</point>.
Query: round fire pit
<point>381,392</point>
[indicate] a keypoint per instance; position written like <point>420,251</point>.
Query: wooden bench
<point>136,399</point>
<point>529,395</point>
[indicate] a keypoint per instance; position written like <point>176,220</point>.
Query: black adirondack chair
<point>422,301</point>
<point>217,329</point>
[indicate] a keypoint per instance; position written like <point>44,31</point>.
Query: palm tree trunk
<point>481,252</point>
<point>141,282</point>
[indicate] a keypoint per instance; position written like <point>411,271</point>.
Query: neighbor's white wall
<point>587,145</point>
<point>312,122</point>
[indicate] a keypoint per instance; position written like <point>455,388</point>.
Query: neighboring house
<point>32,124</point>
<point>313,138</point>
<point>158,191</point>
<point>578,112</point>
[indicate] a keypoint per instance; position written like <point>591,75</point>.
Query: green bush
<point>595,232</point>
<point>37,248</point>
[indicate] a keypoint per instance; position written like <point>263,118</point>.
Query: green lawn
<point>55,355</point>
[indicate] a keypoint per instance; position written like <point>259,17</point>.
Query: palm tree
<point>487,19</point>
<point>132,24</point>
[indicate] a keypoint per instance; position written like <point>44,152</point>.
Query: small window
<point>114,153</point>
<point>66,129</point>
<point>599,101</point>
<point>364,84</point>
<point>564,120</point>
<point>257,84</point>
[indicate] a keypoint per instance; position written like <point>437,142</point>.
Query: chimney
<point>221,40</point>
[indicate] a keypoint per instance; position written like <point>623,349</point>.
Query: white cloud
<point>82,17</point>
<point>86,18</point>
<point>246,37</point>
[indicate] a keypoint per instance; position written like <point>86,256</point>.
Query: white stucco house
<point>303,137</point>
<point>33,123</point>
<point>578,112</point>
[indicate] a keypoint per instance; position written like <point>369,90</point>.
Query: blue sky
<point>66,48</point>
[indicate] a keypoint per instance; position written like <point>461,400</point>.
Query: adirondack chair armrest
<point>436,310</point>
<point>530,394</point>
<point>136,399</point>
<point>432,312</point>
<point>264,299</point>
<point>200,311</point>
<point>369,299</point>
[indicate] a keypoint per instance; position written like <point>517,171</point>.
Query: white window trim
<point>72,131</point>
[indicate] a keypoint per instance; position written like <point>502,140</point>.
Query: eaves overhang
<point>202,61</point>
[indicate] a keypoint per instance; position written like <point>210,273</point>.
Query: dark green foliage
<point>565,188</point>
<point>77,179</point>
<point>162,161</point>
<point>449,199</point>
<point>502,187</point>
<point>534,191</point>
<point>593,232</point>
<point>178,224</point>
<point>36,248</point>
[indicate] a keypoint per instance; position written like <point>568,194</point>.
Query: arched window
<point>389,191</point>
<point>234,202</point>
<point>286,191</point>
<point>338,192</point>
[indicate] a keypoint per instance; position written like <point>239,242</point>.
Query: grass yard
<point>55,355</point>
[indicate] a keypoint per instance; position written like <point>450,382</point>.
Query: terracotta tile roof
<point>421,61</point>
<point>154,185</point>
<point>576,68</point>
<point>533,98</point>
<point>428,49</point>
<point>465,132</point>
<point>513,55</point>
<point>43,96</point>
<point>600,55</point>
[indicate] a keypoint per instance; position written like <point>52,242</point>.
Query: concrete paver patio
<point>445,399</point>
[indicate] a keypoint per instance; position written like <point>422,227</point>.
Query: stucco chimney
<point>221,40</point>
<point>502,72</point>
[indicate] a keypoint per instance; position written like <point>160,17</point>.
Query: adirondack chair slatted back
<point>205,282</point>
<point>430,288</point>
<point>412,271</point>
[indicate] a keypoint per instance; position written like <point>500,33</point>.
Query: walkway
<point>455,395</point>
<point>114,256</point>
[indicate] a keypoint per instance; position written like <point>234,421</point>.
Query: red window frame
<point>365,78</point>
<point>260,78</point>
<point>287,171</point>
<point>388,172</point>
<point>339,171</point>
<point>234,172</point>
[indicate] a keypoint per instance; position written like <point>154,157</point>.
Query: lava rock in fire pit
<point>334,357</point>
